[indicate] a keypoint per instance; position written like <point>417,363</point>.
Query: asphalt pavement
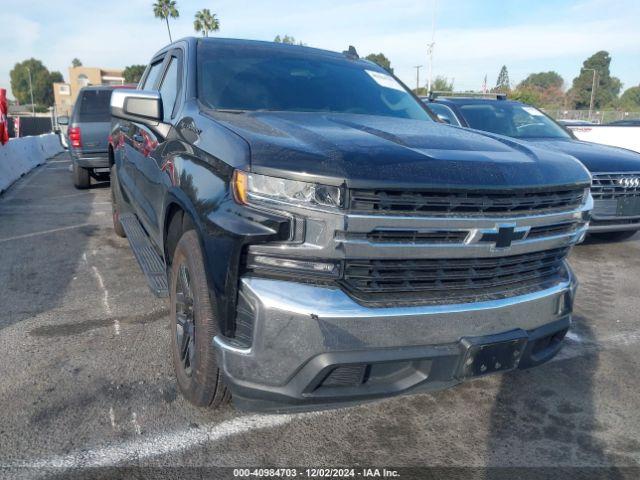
<point>86,381</point>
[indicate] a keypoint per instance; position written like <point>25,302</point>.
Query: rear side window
<point>150,81</point>
<point>94,106</point>
<point>169,88</point>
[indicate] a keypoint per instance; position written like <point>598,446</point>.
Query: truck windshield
<point>265,77</point>
<point>512,120</point>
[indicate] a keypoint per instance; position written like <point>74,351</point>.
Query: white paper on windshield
<point>533,111</point>
<point>386,81</point>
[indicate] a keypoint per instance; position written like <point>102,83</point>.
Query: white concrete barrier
<point>21,155</point>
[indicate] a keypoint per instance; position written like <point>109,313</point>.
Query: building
<point>65,94</point>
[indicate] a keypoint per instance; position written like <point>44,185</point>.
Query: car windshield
<point>293,79</point>
<point>512,120</point>
<point>94,106</point>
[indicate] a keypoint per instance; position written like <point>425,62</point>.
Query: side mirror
<point>63,120</point>
<point>444,119</point>
<point>137,105</point>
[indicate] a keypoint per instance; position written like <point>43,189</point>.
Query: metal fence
<point>597,116</point>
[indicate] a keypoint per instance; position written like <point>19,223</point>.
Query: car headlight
<point>250,187</point>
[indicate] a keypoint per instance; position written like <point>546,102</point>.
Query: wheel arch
<point>178,206</point>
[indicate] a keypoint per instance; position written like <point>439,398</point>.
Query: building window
<point>64,90</point>
<point>83,80</point>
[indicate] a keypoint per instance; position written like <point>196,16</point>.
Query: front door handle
<point>138,138</point>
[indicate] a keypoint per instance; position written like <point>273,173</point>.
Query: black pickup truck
<point>323,240</point>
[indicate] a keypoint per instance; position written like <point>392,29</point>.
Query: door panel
<point>147,163</point>
<point>150,156</point>
<point>125,153</point>
<point>139,148</point>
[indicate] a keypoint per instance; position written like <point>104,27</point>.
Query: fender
<point>201,190</point>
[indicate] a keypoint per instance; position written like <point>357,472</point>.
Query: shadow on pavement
<point>545,419</point>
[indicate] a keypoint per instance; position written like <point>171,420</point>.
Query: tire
<point>194,358</point>
<point>81,178</point>
<point>115,208</point>
<point>615,236</point>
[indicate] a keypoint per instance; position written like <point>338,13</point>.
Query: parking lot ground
<point>86,380</point>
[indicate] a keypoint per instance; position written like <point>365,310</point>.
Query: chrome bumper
<point>297,327</point>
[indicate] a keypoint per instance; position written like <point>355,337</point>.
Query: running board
<point>150,262</point>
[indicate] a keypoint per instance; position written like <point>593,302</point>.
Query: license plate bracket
<point>491,354</point>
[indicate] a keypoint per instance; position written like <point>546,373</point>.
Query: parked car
<point>323,240</point>
<point>88,132</point>
<point>615,171</point>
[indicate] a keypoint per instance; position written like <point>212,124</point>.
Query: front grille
<point>411,237</point>
<point>455,237</point>
<point>461,279</point>
<point>606,186</point>
<point>553,230</point>
<point>465,203</point>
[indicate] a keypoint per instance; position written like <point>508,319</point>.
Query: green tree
<point>502,84</point>
<point>442,84</point>
<point>543,80</point>
<point>288,40</point>
<point>41,80</point>
<point>607,87</point>
<point>133,73</point>
<point>527,94</point>
<point>206,22</point>
<point>380,59</point>
<point>630,99</point>
<point>76,62</point>
<point>163,9</point>
<point>541,89</point>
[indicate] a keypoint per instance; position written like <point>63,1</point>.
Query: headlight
<point>251,186</point>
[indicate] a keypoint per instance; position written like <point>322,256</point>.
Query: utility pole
<point>593,90</point>
<point>33,108</point>
<point>430,53</point>
<point>418,67</point>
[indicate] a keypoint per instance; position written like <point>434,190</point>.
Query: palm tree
<point>206,22</point>
<point>164,9</point>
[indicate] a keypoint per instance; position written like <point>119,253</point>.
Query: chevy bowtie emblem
<point>504,235</point>
<point>629,182</point>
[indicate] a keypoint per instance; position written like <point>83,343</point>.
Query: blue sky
<point>473,38</point>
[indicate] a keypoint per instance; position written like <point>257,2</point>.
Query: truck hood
<point>365,151</point>
<point>596,157</point>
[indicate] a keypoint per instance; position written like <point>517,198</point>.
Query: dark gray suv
<point>88,134</point>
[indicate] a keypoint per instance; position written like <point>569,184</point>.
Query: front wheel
<point>615,236</point>
<point>193,326</point>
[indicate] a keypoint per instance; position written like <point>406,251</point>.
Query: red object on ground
<point>4,127</point>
